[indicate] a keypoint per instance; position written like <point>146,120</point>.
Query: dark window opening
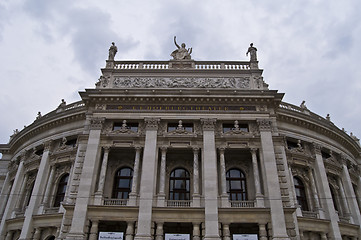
<point>179,185</point>
<point>300,193</point>
<point>39,152</point>
<point>236,185</point>
<point>60,193</point>
<point>292,145</point>
<point>71,142</point>
<point>123,183</point>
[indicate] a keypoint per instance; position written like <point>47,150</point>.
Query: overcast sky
<point>50,50</point>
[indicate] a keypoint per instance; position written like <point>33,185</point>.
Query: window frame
<point>176,193</point>
<point>235,193</point>
<point>124,191</point>
<point>301,195</point>
<point>59,196</point>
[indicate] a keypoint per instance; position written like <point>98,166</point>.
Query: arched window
<point>179,185</point>
<point>123,183</point>
<point>236,185</point>
<point>300,193</point>
<point>333,194</point>
<point>60,193</point>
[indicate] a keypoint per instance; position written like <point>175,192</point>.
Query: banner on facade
<point>174,236</point>
<point>245,237</point>
<point>110,236</point>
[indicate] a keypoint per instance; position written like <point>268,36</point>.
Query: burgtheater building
<point>180,149</point>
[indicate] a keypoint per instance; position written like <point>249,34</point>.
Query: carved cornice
<point>96,123</point>
<point>208,124</point>
<point>151,123</point>
<point>264,125</point>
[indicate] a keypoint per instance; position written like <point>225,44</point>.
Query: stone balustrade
<point>179,203</point>
<point>115,202</point>
<point>242,204</point>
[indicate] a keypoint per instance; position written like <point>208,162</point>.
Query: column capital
<point>107,148</point>
<point>253,150</point>
<point>343,158</point>
<point>316,148</point>
<point>208,123</point>
<point>151,123</point>
<point>96,123</point>
<point>164,148</point>
<point>221,149</point>
<point>47,145</point>
<point>195,150</point>
<point>264,125</point>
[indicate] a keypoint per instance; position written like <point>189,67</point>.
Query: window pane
<point>235,185</point>
<point>235,174</point>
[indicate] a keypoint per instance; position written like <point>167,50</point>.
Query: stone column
<point>262,231</point>
<point>20,200</point>
<point>134,193</point>
<point>271,180</point>
<point>5,192</point>
<point>196,231</point>
<point>130,231</point>
<point>317,209</point>
<point>12,198</point>
<point>345,208</point>
<point>48,187</point>
<point>209,166</point>
<point>163,160</point>
<point>323,236</point>
<point>222,170</point>
<point>257,182</point>
<point>226,232</point>
<point>37,193</point>
<point>94,230</point>
<point>196,195</point>
<point>37,233</point>
<point>159,232</point>
<point>350,194</point>
<point>87,181</point>
<point>325,193</point>
<point>148,179</point>
<point>103,171</point>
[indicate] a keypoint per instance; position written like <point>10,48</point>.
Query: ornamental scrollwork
<point>208,124</point>
<point>96,123</point>
<point>264,124</point>
<point>151,123</point>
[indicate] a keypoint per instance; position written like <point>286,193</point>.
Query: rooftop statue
<point>112,51</point>
<point>181,53</point>
<point>252,52</point>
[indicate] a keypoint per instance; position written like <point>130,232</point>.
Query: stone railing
<point>179,203</point>
<point>309,214</point>
<point>198,65</point>
<point>115,202</point>
<point>242,204</point>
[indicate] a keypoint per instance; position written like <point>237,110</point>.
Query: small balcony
<point>115,202</point>
<point>179,203</point>
<point>242,204</point>
<point>309,214</point>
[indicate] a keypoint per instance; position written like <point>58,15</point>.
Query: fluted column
<point>9,235</point>
<point>103,171</point>
<point>87,180</point>
<point>130,231</point>
<point>12,198</point>
<point>272,186</point>
<point>262,231</point>
<point>222,166</point>
<point>37,193</point>
<point>210,179</point>
<point>226,232</point>
<point>5,192</point>
<point>134,193</point>
<point>163,163</point>
<point>325,193</point>
<point>257,182</point>
<point>350,193</point>
<point>148,180</point>
<point>20,200</point>
<point>196,195</point>
<point>48,187</point>
<point>159,231</point>
<point>196,231</point>
<point>94,230</point>
<point>323,236</point>
<point>345,208</point>
<point>318,209</point>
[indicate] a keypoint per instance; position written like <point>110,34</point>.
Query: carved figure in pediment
<point>181,53</point>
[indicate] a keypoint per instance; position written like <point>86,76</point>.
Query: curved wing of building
<point>180,149</point>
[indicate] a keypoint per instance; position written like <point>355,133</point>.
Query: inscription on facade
<point>179,108</point>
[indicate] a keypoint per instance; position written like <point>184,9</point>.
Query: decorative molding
<point>176,82</point>
<point>208,124</point>
<point>151,123</point>
<point>316,148</point>
<point>96,123</point>
<point>264,125</point>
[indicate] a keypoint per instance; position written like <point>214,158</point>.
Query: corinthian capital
<point>316,148</point>
<point>151,123</point>
<point>264,124</point>
<point>208,123</point>
<point>96,123</point>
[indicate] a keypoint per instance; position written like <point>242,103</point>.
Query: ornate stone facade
<point>180,147</point>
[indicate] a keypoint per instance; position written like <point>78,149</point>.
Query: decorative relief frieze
<point>175,82</point>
